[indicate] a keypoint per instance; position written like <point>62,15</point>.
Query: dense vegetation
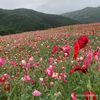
<point>39,65</point>
<point>86,15</point>
<point>20,20</point>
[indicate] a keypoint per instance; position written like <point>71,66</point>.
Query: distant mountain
<point>20,20</point>
<point>86,15</point>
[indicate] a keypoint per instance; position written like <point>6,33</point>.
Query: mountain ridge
<point>85,15</point>
<point>22,20</point>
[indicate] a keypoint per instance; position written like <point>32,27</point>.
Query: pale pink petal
<point>49,71</point>
<point>1,61</point>
<point>36,93</point>
<point>88,59</point>
<point>27,77</point>
<point>23,62</point>
<point>73,95</point>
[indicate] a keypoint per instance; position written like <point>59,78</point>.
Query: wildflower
<point>42,80</point>
<point>90,95</point>
<point>82,41</point>
<point>73,95</point>
<point>49,71</point>
<point>66,49</point>
<point>27,77</point>
<point>88,59</point>
<point>54,50</point>
<point>84,69</point>
<point>36,93</point>
<point>76,68</point>
<point>1,61</point>
<point>31,59</point>
<point>76,49</point>
<point>13,63</point>
<point>23,62</point>
<point>7,87</point>
<point>51,60</point>
<point>51,84</point>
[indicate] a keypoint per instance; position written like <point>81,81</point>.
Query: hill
<point>21,20</point>
<point>86,15</point>
<point>39,65</point>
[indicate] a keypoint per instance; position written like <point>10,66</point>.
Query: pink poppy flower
<point>49,71</point>
<point>73,95</point>
<point>36,93</point>
<point>65,48</point>
<point>27,77</point>
<point>88,59</point>
<point>13,63</point>
<point>1,61</point>
<point>23,62</point>
<point>51,60</point>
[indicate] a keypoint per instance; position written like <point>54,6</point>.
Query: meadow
<point>40,65</point>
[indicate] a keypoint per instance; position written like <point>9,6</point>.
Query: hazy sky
<point>49,6</point>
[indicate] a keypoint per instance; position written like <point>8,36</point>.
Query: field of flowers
<point>55,64</point>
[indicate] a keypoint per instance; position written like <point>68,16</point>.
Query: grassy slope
<point>20,20</point>
<point>39,44</point>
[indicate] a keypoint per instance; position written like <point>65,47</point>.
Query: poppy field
<point>56,64</point>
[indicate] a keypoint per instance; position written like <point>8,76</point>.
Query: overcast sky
<point>49,6</point>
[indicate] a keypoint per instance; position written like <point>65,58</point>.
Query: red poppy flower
<point>82,41</point>
<point>84,69</point>
<point>90,95</point>
<point>76,49</point>
<point>54,50</point>
<point>7,87</point>
<point>76,68</point>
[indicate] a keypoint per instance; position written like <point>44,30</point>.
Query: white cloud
<point>49,6</point>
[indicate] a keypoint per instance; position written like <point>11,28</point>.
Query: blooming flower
<point>36,93</point>
<point>82,41</point>
<point>76,68</point>
<point>90,95</point>
<point>66,49</point>
<point>84,69</point>
<point>49,71</point>
<point>1,61</point>
<point>55,48</point>
<point>27,77</point>
<point>73,95</point>
<point>76,49</point>
<point>51,60</point>
<point>23,62</point>
<point>88,59</point>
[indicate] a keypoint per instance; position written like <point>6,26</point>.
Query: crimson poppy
<point>76,68</point>
<point>76,49</point>
<point>90,95</point>
<point>54,50</point>
<point>82,41</point>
